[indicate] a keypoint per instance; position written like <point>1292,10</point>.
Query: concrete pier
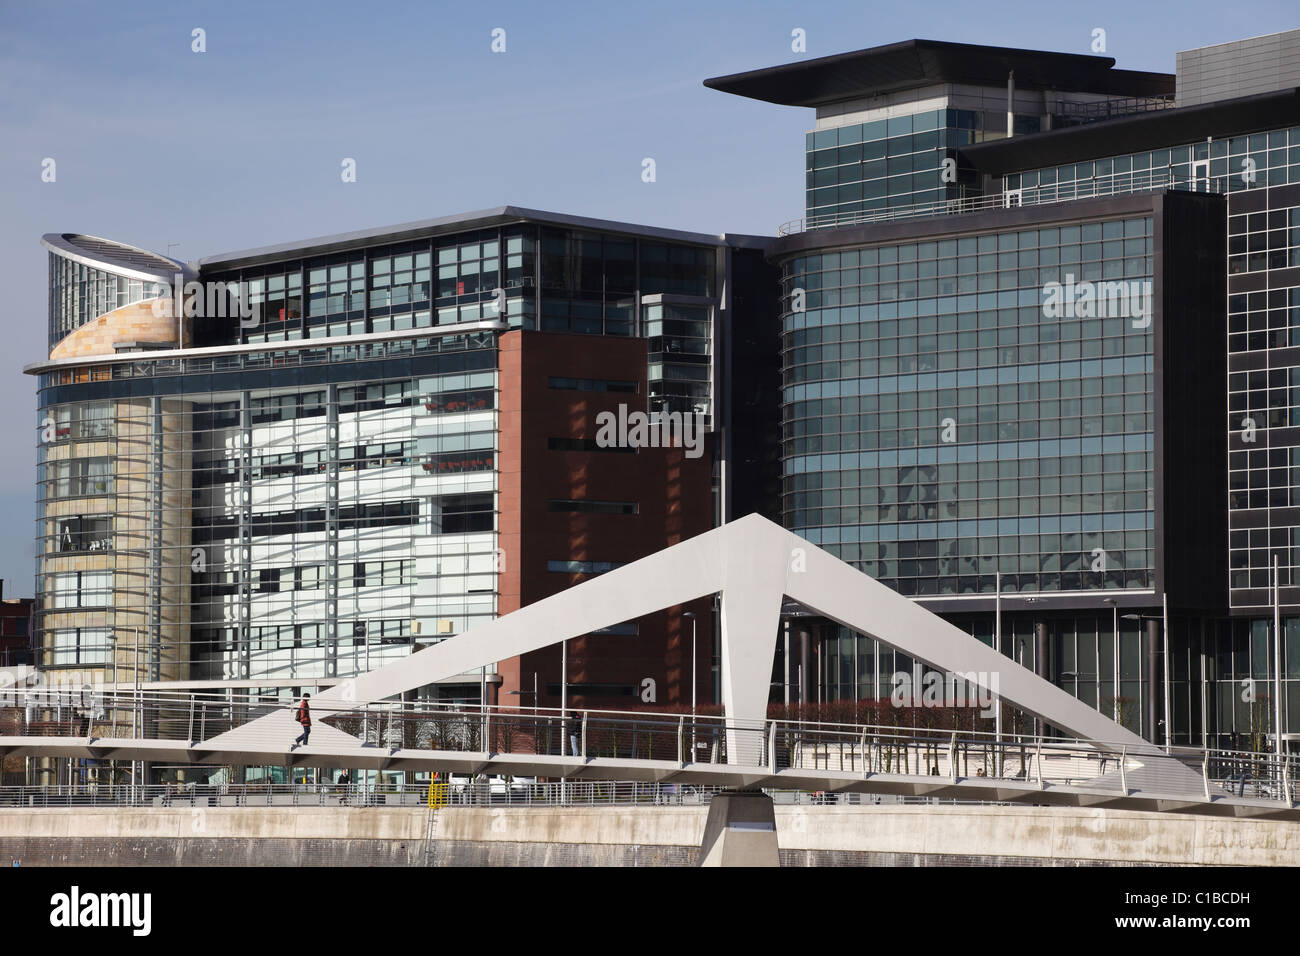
<point>633,836</point>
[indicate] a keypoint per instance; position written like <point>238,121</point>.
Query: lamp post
<point>1020,659</point>
<point>1277,663</point>
<point>1114,690</point>
<point>997,646</point>
<point>521,693</point>
<point>786,666</point>
<point>691,615</point>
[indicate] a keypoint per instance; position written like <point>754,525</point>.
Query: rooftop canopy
<point>917,63</point>
<point>116,257</point>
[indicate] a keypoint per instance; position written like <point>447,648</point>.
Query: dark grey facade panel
<point>1229,70</point>
<point>1191,377</point>
<point>1171,127</point>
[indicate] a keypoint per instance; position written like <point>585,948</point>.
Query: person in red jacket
<point>304,718</point>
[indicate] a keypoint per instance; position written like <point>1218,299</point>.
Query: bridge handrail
<point>660,735</point>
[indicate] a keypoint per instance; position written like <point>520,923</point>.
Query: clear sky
<point>193,154</point>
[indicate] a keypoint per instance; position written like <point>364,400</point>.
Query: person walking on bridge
<point>575,731</point>
<point>304,718</point>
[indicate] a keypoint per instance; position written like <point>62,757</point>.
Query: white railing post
<point>1123,769</point>
<point>864,755</point>
<point>771,747</point>
<point>584,736</point>
<point>1205,773</point>
<point>952,757</point>
<point>681,740</point>
<point>1042,785</point>
<point>191,731</point>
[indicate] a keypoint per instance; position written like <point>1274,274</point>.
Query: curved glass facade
<point>80,293</point>
<point>299,514</point>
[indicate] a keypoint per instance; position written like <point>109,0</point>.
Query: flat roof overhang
<point>915,63</point>
<point>119,258</point>
<point>956,226</point>
<point>460,222</point>
<point>1130,134</point>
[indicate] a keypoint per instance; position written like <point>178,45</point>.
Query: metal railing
<point>798,749</point>
<point>486,791</point>
<point>1115,184</point>
<point>1093,110</point>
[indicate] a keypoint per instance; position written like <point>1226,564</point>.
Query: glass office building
<point>1029,357</point>
<point>256,515</point>
<point>939,429</point>
<point>893,162</point>
<point>292,471</point>
<point>950,434</point>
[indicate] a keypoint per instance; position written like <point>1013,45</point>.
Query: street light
<point>520,693</point>
<point>691,615</point>
<point>997,646</point>
<point>1277,661</point>
<point>694,745</point>
<point>1114,690</point>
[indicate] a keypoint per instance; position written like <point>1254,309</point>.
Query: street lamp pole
<point>786,667</point>
<point>1277,663</point>
<point>1115,658</point>
<point>1164,630</point>
<point>691,615</point>
<point>997,646</point>
<point>135,708</point>
<point>1114,689</point>
<point>135,694</point>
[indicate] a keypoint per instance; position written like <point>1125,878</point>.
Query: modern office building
<point>324,455</point>
<point>980,409</point>
<point>989,366</point>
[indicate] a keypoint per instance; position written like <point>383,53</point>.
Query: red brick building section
<point>15,630</point>
<point>673,498</point>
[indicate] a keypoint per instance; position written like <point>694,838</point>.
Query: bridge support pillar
<point>740,831</point>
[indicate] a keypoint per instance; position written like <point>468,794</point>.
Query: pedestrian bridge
<point>752,566</point>
<point>654,747</point>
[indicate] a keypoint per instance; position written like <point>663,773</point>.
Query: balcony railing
<point>1116,184</point>
<point>1076,112</point>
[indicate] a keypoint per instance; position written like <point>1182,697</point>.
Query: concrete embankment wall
<point>632,836</point>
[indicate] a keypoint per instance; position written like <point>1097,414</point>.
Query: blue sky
<point>241,145</point>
